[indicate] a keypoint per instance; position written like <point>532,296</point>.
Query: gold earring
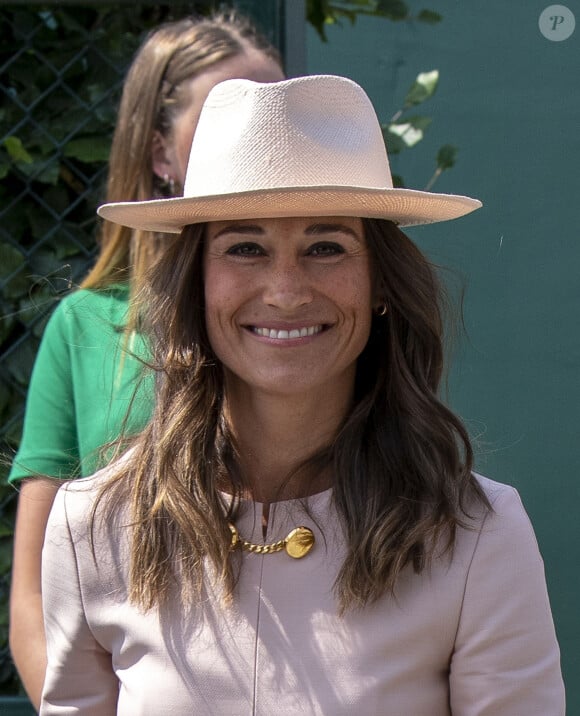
<point>381,310</point>
<point>168,183</point>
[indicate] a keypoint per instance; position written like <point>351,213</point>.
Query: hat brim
<point>405,207</point>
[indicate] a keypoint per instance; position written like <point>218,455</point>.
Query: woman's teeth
<point>287,335</point>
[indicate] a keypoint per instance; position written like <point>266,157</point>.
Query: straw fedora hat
<point>308,146</point>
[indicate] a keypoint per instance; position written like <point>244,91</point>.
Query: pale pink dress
<point>470,637</point>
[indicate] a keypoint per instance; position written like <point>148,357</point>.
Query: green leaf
<point>16,287</point>
<point>16,150</point>
<point>316,14</point>
<point>429,17</point>
<point>5,558</point>
<point>56,197</point>
<point>320,13</point>
<point>398,181</point>
<point>12,264</point>
<point>10,260</point>
<point>6,325</point>
<point>38,302</point>
<point>19,363</point>
<point>405,133</point>
<point>48,19</point>
<point>45,172</point>
<point>4,167</point>
<point>446,157</point>
<point>422,88</point>
<point>393,9</point>
<point>88,149</point>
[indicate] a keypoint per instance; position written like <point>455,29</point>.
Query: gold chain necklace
<point>297,544</point>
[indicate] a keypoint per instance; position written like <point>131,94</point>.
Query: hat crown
<point>308,146</point>
<point>303,132</point>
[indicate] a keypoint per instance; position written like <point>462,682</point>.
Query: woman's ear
<point>378,294</point>
<point>160,162</point>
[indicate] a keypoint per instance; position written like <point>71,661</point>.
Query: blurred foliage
<point>61,69</point>
<point>405,130</point>
<point>321,13</point>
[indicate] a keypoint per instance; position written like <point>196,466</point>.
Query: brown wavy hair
<point>401,461</point>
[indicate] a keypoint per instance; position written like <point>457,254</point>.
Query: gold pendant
<point>297,544</point>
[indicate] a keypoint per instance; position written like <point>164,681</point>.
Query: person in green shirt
<point>90,384</point>
<point>87,387</point>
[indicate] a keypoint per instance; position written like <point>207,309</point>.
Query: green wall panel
<point>509,99</point>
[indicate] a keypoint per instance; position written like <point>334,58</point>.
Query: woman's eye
<point>246,249</point>
<point>326,248</point>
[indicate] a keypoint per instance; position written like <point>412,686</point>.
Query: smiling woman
<point>271,280</point>
<point>296,332</point>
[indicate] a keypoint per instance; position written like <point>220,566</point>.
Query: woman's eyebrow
<point>248,229</point>
<point>318,229</point>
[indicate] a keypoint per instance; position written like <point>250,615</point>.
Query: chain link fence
<point>61,71</point>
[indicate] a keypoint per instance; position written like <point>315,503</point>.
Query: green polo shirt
<point>87,386</point>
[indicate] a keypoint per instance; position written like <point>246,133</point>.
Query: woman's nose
<point>287,287</point>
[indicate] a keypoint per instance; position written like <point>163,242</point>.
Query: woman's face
<point>251,65</point>
<point>288,302</point>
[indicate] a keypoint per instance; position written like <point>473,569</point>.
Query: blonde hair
<point>154,94</point>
